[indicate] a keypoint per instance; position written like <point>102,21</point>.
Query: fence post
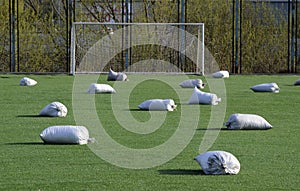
<point>296,35</point>
<point>73,50</point>
<point>12,36</point>
<point>240,23</point>
<point>182,37</point>
<point>236,36</point>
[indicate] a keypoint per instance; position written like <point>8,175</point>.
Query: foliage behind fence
<point>36,34</point>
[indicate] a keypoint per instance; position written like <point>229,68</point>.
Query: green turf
<point>269,158</point>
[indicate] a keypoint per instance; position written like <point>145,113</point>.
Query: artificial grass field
<point>269,158</point>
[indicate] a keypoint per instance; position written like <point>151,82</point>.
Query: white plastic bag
<point>221,74</point>
<point>267,87</point>
<point>54,109</point>
<point>27,82</point>
<point>66,135</point>
<point>158,105</point>
<point>100,88</point>
<point>218,162</point>
<point>191,83</point>
<point>116,76</point>
<point>247,121</point>
<point>199,97</point>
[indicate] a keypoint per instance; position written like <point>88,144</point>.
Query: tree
<point>42,39</point>
<point>5,36</point>
<point>263,37</point>
<point>218,25</point>
<point>43,31</point>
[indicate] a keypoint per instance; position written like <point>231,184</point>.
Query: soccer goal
<point>137,47</point>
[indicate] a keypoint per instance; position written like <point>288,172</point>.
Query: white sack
<point>267,87</point>
<point>297,82</point>
<point>221,74</point>
<point>199,97</point>
<point>247,121</point>
<point>66,135</point>
<point>116,76</point>
<point>27,82</point>
<point>158,105</point>
<point>100,88</point>
<point>191,83</point>
<point>218,162</point>
<point>54,109</point>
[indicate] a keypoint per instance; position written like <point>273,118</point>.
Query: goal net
<point>137,47</point>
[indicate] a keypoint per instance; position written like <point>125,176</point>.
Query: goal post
<point>137,47</point>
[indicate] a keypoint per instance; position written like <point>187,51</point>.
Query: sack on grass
<point>221,74</point>
<point>27,82</point>
<point>100,88</point>
<point>297,82</point>
<point>66,135</point>
<point>158,105</point>
<point>54,109</point>
<point>200,97</point>
<point>218,162</point>
<point>267,87</point>
<point>116,76</point>
<point>247,121</point>
<point>191,83</point>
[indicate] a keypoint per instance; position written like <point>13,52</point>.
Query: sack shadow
<point>135,109</point>
<point>143,110</point>
<point>34,116</point>
<point>213,129</point>
<point>39,143</point>
<point>181,172</point>
<point>26,143</point>
<point>225,129</point>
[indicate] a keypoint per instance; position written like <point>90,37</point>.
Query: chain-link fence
<point>244,36</point>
